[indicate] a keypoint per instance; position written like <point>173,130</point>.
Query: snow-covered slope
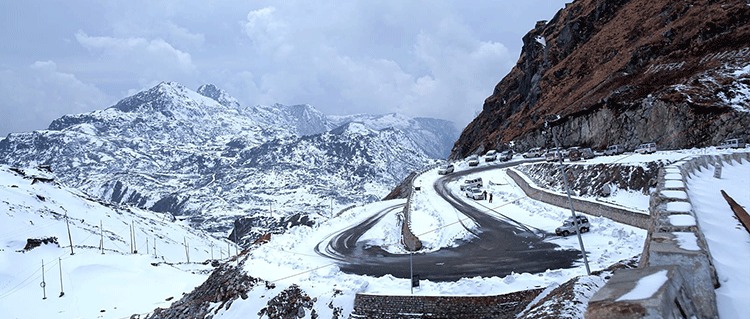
<point>170,149</point>
<point>112,282</point>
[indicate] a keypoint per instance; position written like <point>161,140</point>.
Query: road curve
<point>501,246</point>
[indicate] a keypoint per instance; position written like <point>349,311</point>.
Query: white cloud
<point>34,96</point>
<point>440,70</point>
<point>422,58</point>
<point>154,53</point>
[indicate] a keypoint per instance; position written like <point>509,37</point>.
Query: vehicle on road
<point>534,152</point>
<point>470,183</point>
<point>614,150</point>
<point>574,154</point>
<point>473,160</point>
<point>568,227</point>
<point>505,156</point>
<point>587,153</point>
<point>475,193</point>
<point>646,148</point>
<point>732,143</point>
<point>490,156</point>
<point>554,154</point>
<point>446,169</point>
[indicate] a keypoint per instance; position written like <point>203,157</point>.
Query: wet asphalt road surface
<point>501,246</point>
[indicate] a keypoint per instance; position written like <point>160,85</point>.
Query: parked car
<point>475,193</point>
<point>553,154</point>
<point>614,150</point>
<point>470,183</point>
<point>534,152</point>
<point>446,169</point>
<point>568,227</point>
<point>646,148</point>
<point>587,153</point>
<point>549,156</point>
<point>574,154</point>
<point>490,156</point>
<point>732,143</point>
<point>473,160</point>
<point>505,155</point>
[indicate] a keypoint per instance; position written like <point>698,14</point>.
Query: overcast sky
<point>421,58</point>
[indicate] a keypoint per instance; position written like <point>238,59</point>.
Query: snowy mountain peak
<point>218,95</point>
<point>353,128</point>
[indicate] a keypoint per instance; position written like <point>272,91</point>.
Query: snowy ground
<point>111,285</point>
<point>291,259</point>
<point>727,239</point>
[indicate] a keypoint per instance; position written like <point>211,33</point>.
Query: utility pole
<point>131,237</point>
<point>411,271</point>
<point>43,284</point>
<point>147,252</point>
<point>101,236</point>
<point>155,248</point>
<point>567,189</point>
<point>70,238</point>
<point>229,250</point>
<point>135,243</point>
<point>187,250</point>
<point>59,262</point>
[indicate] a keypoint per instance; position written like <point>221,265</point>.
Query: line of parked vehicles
<point>577,153</point>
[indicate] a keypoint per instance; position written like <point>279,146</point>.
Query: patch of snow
<point>679,207</point>
<point>682,220</point>
<point>674,184</point>
<point>540,39</point>
<point>728,241</point>
<point>646,286</point>
<point>674,194</point>
<point>686,240</point>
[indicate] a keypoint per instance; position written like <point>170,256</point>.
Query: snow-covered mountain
<point>202,154</point>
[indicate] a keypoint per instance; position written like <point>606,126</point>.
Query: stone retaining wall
<point>448,307</point>
<point>617,214</point>
<point>675,244</point>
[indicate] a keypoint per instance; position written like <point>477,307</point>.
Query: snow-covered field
<point>122,284</point>
<point>727,240</point>
<point>114,284</point>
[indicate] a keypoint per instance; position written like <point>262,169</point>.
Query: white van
<point>614,150</point>
<point>732,143</point>
<point>646,148</point>
<point>471,183</point>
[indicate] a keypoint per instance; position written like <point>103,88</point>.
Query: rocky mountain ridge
<point>206,157</point>
<point>624,72</point>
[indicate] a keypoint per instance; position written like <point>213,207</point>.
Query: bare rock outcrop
<point>625,72</point>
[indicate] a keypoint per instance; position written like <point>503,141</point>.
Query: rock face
<point>624,72</point>
<point>226,284</point>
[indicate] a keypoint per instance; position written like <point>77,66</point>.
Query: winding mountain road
<point>501,246</point>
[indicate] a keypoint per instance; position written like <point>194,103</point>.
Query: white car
<point>475,193</point>
<point>473,160</point>
<point>472,183</point>
<point>646,148</point>
<point>446,169</point>
<point>490,156</point>
<point>614,150</point>
<point>534,152</point>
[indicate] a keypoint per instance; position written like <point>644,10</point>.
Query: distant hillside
<point>625,72</point>
<point>203,155</point>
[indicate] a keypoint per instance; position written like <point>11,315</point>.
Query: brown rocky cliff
<point>624,72</point>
